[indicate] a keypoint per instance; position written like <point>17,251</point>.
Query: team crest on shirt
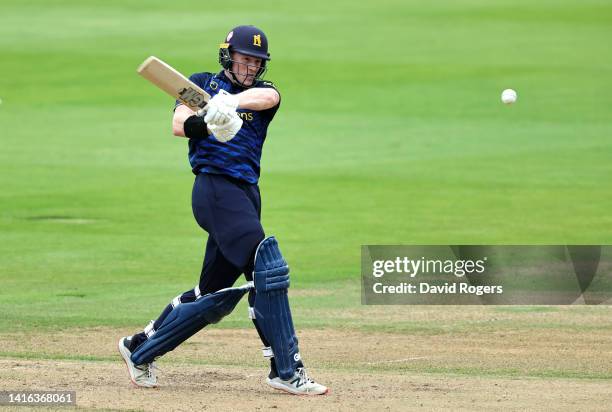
<point>257,40</point>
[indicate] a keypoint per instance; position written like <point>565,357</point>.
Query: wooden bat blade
<point>174,83</point>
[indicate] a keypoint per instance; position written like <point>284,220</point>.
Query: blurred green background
<point>391,131</point>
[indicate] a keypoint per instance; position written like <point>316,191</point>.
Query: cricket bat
<point>174,83</point>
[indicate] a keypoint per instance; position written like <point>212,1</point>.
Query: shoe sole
<point>285,389</point>
<point>126,356</point>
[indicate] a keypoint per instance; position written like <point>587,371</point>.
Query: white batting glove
<point>226,99</point>
<point>227,131</point>
<point>220,108</point>
<point>216,114</point>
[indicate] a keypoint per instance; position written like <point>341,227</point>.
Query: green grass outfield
<point>391,131</point>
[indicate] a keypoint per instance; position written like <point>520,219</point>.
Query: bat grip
<point>201,112</point>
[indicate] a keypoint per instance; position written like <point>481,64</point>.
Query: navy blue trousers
<point>230,211</point>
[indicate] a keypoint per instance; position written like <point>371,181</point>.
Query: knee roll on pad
<point>271,277</point>
<point>187,319</point>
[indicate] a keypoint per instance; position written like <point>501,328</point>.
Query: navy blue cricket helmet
<point>247,40</point>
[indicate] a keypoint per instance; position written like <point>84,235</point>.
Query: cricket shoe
<point>140,375</point>
<point>299,384</point>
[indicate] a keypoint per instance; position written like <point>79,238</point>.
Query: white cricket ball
<point>508,96</point>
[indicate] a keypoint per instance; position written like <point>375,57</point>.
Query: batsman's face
<point>245,68</point>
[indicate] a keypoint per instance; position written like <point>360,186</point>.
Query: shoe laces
<point>148,369</point>
<point>304,376</point>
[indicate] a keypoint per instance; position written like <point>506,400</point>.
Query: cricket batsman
<point>225,148</point>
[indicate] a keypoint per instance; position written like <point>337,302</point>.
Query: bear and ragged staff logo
<point>257,40</point>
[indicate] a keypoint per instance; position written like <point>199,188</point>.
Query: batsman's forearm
<point>258,98</point>
<point>181,114</point>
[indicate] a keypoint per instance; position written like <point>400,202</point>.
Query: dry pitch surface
<point>514,361</point>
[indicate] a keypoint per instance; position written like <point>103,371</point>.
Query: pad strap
<point>149,330</point>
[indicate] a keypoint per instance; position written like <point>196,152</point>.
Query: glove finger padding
<point>211,113</point>
<point>225,115</point>
<point>221,108</point>
<point>218,115</point>
<point>221,119</point>
<point>227,131</point>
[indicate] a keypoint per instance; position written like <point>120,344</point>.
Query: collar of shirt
<point>234,87</point>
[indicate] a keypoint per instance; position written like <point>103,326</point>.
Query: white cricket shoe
<point>140,375</point>
<point>299,384</point>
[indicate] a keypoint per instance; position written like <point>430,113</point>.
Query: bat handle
<point>201,112</point>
